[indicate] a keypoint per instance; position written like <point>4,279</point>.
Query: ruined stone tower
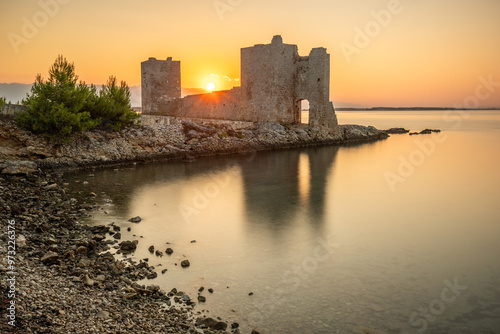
<point>274,81</point>
<point>161,81</point>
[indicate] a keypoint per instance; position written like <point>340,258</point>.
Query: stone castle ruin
<point>274,81</point>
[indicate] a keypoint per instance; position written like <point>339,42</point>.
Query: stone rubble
<point>68,281</point>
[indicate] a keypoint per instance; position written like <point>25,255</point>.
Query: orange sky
<point>384,53</point>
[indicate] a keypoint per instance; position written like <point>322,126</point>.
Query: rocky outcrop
<point>397,131</point>
<point>178,141</point>
<point>425,132</point>
<point>360,133</point>
<point>18,167</point>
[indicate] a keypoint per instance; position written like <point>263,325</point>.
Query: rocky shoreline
<point>63,277</point>
<point>187,140</point>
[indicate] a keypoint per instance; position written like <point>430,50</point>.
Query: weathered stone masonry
<point>274,80</point>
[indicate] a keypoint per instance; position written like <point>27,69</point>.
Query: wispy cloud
<point>224,77</point>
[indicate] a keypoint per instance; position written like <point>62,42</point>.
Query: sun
<point>210,86</point>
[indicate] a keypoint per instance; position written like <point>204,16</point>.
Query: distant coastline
<point>16,92</point>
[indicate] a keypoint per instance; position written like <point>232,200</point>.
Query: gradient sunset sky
<point>411,52</point>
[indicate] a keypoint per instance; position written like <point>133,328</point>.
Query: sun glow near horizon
<point>400,63</point>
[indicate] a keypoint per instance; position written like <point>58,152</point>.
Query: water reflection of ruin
<point>278,184</point>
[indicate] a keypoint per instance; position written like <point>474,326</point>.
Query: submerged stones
<point>211,323</point>
<point>135,220</point>
<point>128,246</point>
<point>185,263</point>
<point>425,132</point>
<point>86,285</point>
<point>100,229</point>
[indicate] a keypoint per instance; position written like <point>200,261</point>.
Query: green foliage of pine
<point>60,106</point>
<point>112,106</point>
<point>3,102</point>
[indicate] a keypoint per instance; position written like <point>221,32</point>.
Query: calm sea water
<point>397,236</point>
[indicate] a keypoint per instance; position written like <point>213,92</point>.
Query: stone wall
<point>12,109</point>
<point>161,81</point>
<point>274,81</point>
<point>268,82</point>
<point>217,105</point>
<point>313,84</point>
<point>150,120</point>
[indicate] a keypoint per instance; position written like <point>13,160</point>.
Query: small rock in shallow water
<point>185,264</point>
<point>397,131</point>
<point>169,251</point>
<point>219,326</point>
<point>151,249</point>
<point>207,322</point>
<point>128,245</point>
<point>100,229</point>
<point>135,219</point>
<point>152,275</point>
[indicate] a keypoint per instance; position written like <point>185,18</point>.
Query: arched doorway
<point>303,110</point>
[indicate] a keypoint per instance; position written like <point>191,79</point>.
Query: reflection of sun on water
<point>210,86</point>
<point>304,178</point>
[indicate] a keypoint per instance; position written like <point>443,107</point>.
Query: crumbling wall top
<point>277,40</point>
